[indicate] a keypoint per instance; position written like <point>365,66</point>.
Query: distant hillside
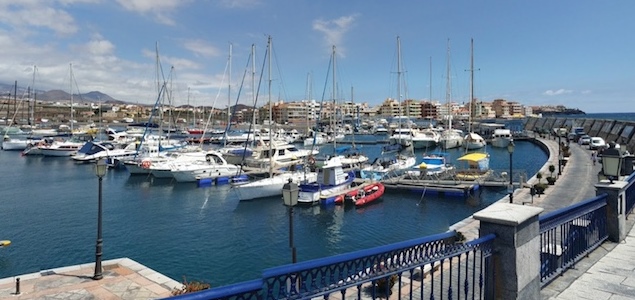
<point>58,95</point>
<point>558,110</point>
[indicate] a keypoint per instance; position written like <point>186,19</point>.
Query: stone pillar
<point>516,249</point>
<point>615,208</point>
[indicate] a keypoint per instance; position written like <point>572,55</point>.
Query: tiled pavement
<point>123,279</point>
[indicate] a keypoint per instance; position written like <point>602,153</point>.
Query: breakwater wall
<point>617,131</point>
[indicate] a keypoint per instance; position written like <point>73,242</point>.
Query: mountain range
<point>56,95</point>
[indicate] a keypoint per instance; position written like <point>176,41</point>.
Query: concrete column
<point>516,249</point>
<point>615,208</point>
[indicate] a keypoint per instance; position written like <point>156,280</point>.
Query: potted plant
<point>540,188</point>
<point>190,287</point>
<point>539,176</point>
<point>551,180</point>
<point>552,169</point>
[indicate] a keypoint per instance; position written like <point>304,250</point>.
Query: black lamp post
<point>290,193</point>
<point>510,149</point>
<point>100,171</point>
<point>560,156</point>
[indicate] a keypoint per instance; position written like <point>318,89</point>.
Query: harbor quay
<point>125,279</point>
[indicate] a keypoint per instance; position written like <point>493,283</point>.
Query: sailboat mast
<point>471,80</point>
<point>308,99</point>
<point>253,83</point>
<point>430,79</point>
<point>270,109</point>
<point>71,90</point>
<point>399,83</point>
<point>229,91</point>
<point>334,114</point>
<point>448,87</point>
<point>15,101</point>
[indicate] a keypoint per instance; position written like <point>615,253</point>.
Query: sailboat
<point>450,138</point>
<point>272,185</point>
<point>384,167</point>
<point>346,155</point>
<point>14,138</point>
<point>472,140</point>
<point>72,145</point>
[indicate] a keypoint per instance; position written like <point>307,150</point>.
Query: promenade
<point>607,273</point>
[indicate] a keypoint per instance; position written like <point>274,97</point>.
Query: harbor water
<point>48,209</point>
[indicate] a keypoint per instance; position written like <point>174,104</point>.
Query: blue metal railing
<point>630,194</point>
<point>435,266</point>
<point>570,233</point>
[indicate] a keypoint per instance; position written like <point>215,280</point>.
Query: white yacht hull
<point>450,143</point>
<point>424,144</point>
<point>500,142</point>
<point>269,187</point>
<point>208,172</point>
<point>14,145</point>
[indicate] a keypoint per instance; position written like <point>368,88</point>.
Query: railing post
<point>516,249</point>
<point>615,208</point>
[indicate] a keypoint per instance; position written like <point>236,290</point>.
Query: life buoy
<point>146,164</point>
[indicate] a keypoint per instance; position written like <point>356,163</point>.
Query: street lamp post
<point>560,157</point>
<point>510,149</point>
<point>100,171</point>
<point>290,193</point>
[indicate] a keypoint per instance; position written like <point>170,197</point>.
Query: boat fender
<point>146,164</point>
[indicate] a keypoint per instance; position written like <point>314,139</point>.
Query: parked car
<point>578,135</point>
<point>584,139</point>
<point>597,143</point>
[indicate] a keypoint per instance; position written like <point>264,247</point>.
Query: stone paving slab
<point>611,276</point>
<point>123,279</point>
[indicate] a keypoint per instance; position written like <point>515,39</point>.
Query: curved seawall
<point>620,132</point>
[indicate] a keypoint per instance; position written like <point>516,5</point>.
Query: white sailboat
<point>385,167</point>
<point>472,140</point>
<point>14,139</point>
<point>449,138</point>
<point>271,186</point>
<point>349,157</point>
<point>72,145</point>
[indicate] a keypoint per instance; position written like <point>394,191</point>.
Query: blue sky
<point>578,53</point>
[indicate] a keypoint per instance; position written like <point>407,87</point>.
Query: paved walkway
<point>123,279</point>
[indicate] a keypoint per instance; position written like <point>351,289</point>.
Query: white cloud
<point>557,92</point>
<point>23,15</point>
<point>159,9</point>
<point>202,48</point>
<point>334,30</point>
<point>239,3</point>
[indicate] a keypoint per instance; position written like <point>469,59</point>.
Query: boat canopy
<point>474,156</point>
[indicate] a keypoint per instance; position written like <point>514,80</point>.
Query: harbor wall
<point>617,131</point>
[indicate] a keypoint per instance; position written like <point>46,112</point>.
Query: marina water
<point>48,209</point>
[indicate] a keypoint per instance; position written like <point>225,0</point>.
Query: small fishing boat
<point>477,167</point>
<point>363,195</point>
<point>331,181</point>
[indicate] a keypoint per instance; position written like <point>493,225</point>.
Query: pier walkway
<point>606,273</point>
